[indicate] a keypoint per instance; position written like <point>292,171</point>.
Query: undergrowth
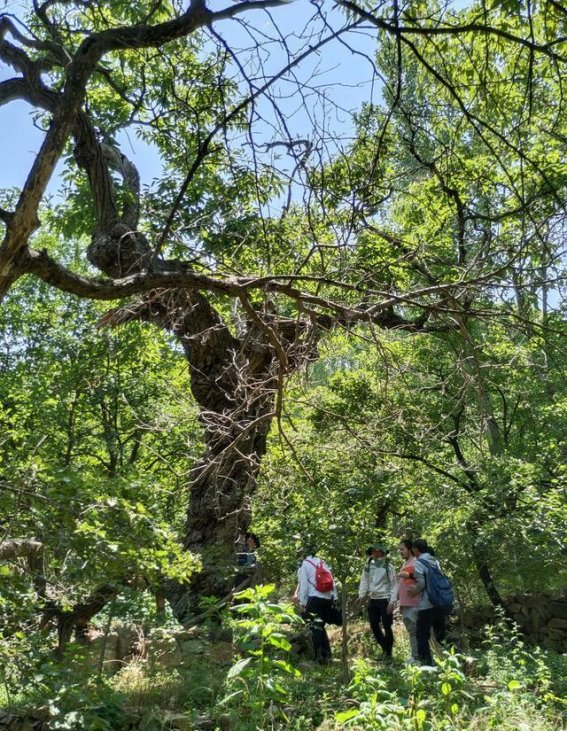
<point>505,684</point>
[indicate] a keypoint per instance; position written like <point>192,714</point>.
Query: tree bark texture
<point>233,380</point>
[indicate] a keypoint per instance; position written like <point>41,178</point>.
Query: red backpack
<point>323,577</point>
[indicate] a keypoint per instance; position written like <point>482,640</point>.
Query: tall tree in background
<point>467,174</point>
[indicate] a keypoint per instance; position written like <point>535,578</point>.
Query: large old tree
<point>248,261</point>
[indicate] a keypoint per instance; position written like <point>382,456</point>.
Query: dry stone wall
<point>126,644</point>
<point>36,721</point>
<point>541,617</point>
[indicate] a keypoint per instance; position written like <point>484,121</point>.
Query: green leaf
<point>238,667</point>
<point>346,715</point>
<point>287,667</point>
<point>230,697</point>
<point>278,640</point>
<point>420,716</point>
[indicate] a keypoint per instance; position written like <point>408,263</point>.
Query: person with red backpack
<point>316,595</point>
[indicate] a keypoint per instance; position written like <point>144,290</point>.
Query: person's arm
<point>419,574</point>
<point>295,598</point>
<point>334,592</point>
<point>363,586</point>
<point>303,585</point>
<point>393,586</point>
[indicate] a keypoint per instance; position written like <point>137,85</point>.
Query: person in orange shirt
<point>407,601</point>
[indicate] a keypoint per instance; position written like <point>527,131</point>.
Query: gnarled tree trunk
<point>233,380</point>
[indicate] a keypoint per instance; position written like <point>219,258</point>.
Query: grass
<point>509,687</point>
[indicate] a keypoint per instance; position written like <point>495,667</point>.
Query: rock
<point>192,647</point>
<point>225,722</point>
<point>129,639</point>
<point>110,647</point>
<point>558,623</point>
<point>222,653</point>
<point>558,608</point>
<point>555,634</point>
<point>220,634</point>
<point>43,712</point>
<point>180,722</point>
<point>542,613</point>
<point>168,657</point>
<point>190,634</point>
<point>204,723</point>
<point>534,601</point>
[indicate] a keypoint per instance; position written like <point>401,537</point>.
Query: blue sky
<point>343,78</point>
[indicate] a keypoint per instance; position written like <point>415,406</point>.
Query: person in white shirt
<point>379,584</point>
<point>316,606</point>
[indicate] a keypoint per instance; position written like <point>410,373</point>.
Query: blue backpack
<point>438,587</point>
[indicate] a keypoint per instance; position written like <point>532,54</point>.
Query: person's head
<point>420,546</point>
<point>252,542</point>
<point>378,551</point>
<point>309,548</point>
<point>406,548</point>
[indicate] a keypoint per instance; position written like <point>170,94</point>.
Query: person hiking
<point>252,544</point>
<point>407,602</point>
<point>429,616</point>
<point>379,584</point>
<point>316,602</point>
<point>246,546</point>
<point>249,570</point>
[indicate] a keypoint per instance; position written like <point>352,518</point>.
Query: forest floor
<point>501,684</point>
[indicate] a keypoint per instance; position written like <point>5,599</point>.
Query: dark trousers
<point>379,618</point>
<point>318,613</point>
<point>427,620</point>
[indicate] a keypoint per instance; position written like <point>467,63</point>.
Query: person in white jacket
<point>316,606</point>
<point>379,584</point>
